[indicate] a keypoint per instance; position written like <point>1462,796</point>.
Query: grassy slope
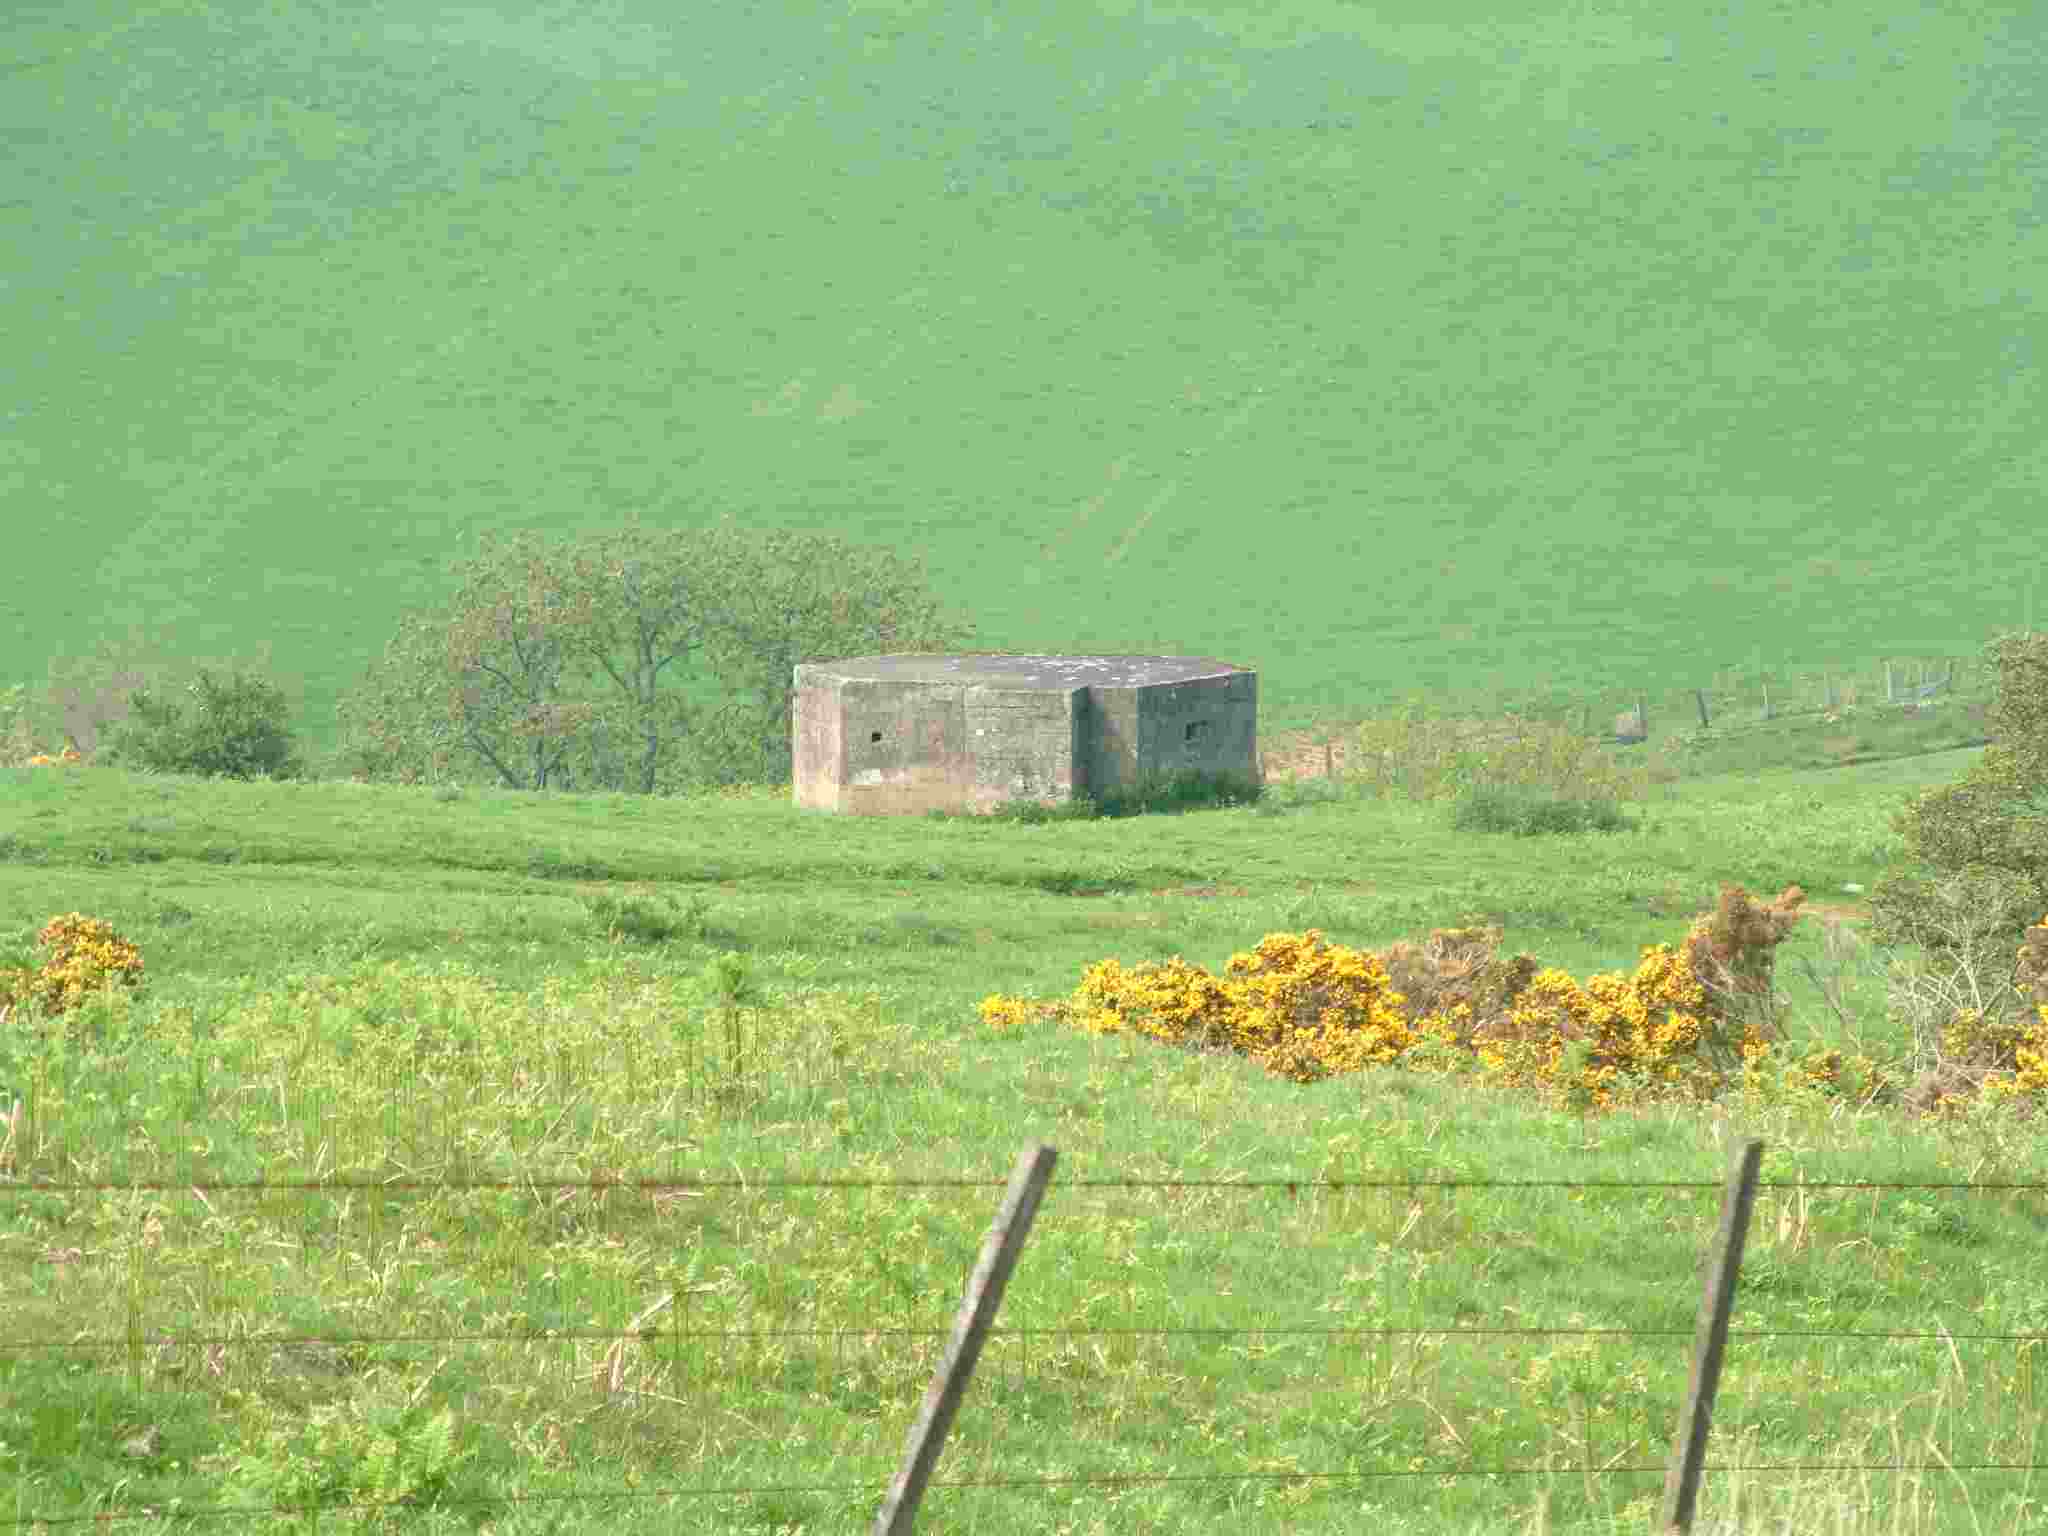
<point>270,918</point>
<point>1377,353</point>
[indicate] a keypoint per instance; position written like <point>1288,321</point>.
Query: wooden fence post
<point>977,1311</point>
<point>1710,1340</point>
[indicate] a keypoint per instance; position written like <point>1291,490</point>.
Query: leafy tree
<point>815,598</point>
<point>637,603</point>
<point>394,725</point>
<point>478,686</point>
<point>514,676</point>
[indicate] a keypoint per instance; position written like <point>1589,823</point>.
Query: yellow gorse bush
<point>1306,1010</point>
<point>85,954</point>
<point>1301,1008</point>
<point>2030,1054</point>
<point>1650,1025</point>
<point>2025,1046</point>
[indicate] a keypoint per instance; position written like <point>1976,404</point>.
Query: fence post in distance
<point>977,1311</point>
<point>1710,1340</point>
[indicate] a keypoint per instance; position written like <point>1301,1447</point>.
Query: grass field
<point>1552,358</point>
<point>357,982</point>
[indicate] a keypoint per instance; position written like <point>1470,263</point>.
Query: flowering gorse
<point>1682,1025</point>
<point>1305,1010</point>
<point>1297,1006</point>
<point>2016,1054</point>
<point>85,955</point>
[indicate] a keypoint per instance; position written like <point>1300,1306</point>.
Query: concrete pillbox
<point>896,735</point>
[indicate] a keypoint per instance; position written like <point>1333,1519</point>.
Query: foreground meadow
<point>474,1004</point>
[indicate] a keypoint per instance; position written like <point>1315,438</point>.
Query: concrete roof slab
<point>1004,669</point>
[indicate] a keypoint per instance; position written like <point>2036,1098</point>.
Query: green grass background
<point>1453,347</point>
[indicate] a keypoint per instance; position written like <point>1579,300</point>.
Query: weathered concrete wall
<point>896,735</point>
<point>1210,726</point>
<point>817,748</point>
<point>867,746</point>
<point>1156,730</point>
<point>1027,744</point>
<point>873,747</point>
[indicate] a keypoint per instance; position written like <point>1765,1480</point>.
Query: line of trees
<point>563,664</point>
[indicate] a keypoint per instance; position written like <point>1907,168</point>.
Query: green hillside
<point>1375,351</point>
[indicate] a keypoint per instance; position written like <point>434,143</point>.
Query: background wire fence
<point>669,1339</point>
<point>1729,701</point>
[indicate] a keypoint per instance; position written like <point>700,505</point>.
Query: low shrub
<point>641,920</point>
<point>1971,1005</point>
<point>84,957</point>
<point>1685,1024</point>
<point>1435,759</point>
<point>1989,1053</point>
<point>239,730</point>
<point>1533,813</point>
<point>1298,1007</point>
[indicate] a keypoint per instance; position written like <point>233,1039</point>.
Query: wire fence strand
<point>18,1186</point>
<point>672,1333</point>
<point>1085,1480</point>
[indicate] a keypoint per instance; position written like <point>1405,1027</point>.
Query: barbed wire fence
<point>1826,693</point>
<point>1729,702</point>
<point>974,1326</point>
